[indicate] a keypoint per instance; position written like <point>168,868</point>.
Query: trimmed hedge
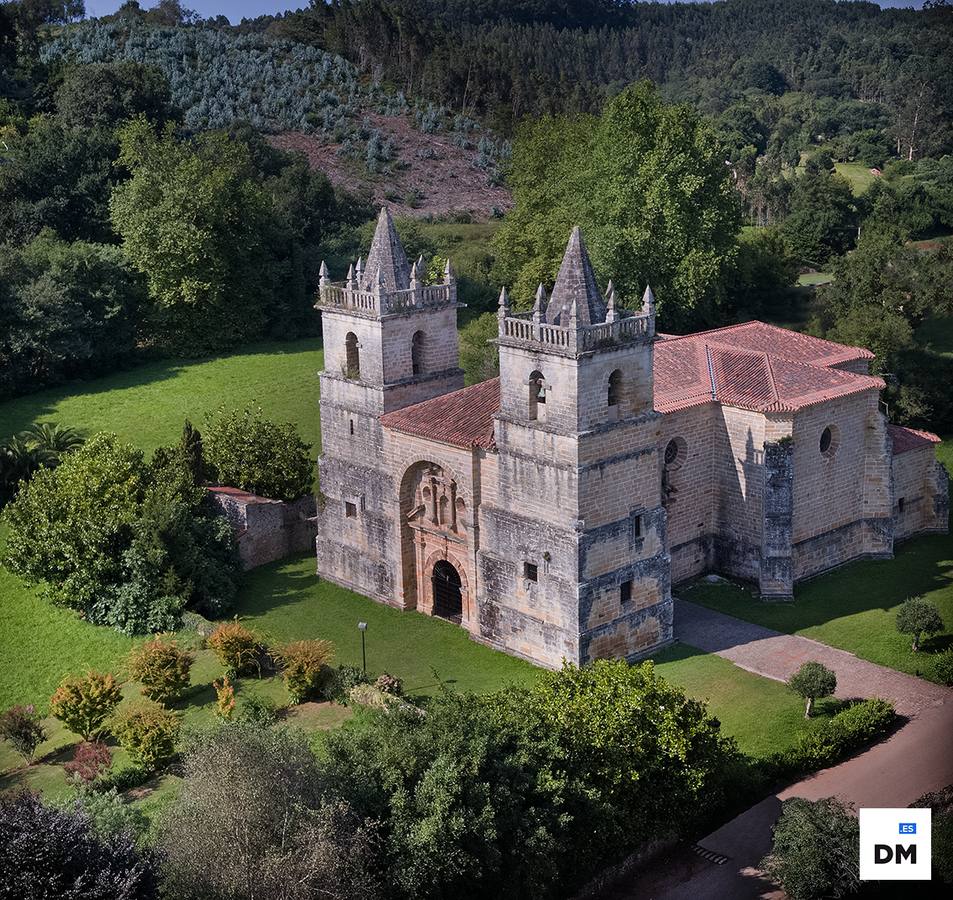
<point>831,741</point>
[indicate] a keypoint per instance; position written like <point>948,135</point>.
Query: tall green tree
<point>194,221</point>
<point>647,181</point>
<point>822,216</point>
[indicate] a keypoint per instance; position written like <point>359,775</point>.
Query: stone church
<point>550,510</point>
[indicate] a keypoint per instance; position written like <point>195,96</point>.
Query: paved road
<point>914,760</point>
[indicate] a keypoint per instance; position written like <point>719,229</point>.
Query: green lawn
<point>812,279</point>
<point>147,405</point>
<point>761,714</point>
<point>859,176</point>
<point>855,607</point>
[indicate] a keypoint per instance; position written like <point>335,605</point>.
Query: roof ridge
<point>711,373</point>
<point>771,380</point>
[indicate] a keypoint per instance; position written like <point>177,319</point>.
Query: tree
<point>83,703</point>
<point>22,729</point>
<point>243,449</point>
<point>648,184</point>
<point>479,359</point>
<point>195,223</point>
<point>125,542</point>
<point>101,95</point>
<point>812,681</point>
<point>71,310</point>
<point>917,616</point>
<point>822,216</point>
<point>147,732</point>
<point>815,850</point>
<point>55,854</point>
<point>250,821</point>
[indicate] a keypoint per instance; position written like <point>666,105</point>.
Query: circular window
<point>675,452</point>
<point>829,441</point>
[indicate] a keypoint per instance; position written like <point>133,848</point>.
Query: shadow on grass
<point>921,566</point>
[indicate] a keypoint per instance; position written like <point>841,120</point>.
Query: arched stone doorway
<point>447,593</point>
<point>436,556</point>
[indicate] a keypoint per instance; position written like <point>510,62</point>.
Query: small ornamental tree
<point>238,649</point>
<point>224,698</point>
<point>83,702</point>
<point>243,449</point>
<point>812,681</point>
<point>147,732</point>
<point>162,668</point>
<point>918,617</point>
<point>815,852</point>
<point>305,665</point>
<point>20,727</point>
<point>90,760</point>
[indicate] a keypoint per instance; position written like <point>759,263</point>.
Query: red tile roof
<point>238,494</point>
<point>752,366</point>
<point>905,439</point>
<point>462,418</point>
<point>792,345</point>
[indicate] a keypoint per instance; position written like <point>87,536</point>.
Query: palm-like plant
<point>51,441</point>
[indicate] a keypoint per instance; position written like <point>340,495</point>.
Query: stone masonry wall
<point>266,530</point>
<point>921,501</point>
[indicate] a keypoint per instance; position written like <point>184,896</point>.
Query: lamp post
<point>362,627</point>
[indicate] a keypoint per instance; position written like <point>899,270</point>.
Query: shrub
<point>918,617</point>
<point>147,732</point>
<point>389,684</point>
<point>344,679</point>
<point>260,711</point>
<point>811,681</point>
<point>845,732</point>
<point>108,812</point>
<point>162,668</point>
<point>250,821</point>
<point>247,451</point>
<point>815,852</point>
<point>124,778</point>
<point>83,703</point>
<point>238,649</point>
<point>224,698</point>
<point>305,665</point>
<point>20,727</point>
<point>90,760</point>
<point>943,667</point>
<point>50,852</point>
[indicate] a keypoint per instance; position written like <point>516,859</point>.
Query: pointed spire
<point>359,270</point>
<point>574,314</point>
<point>576,282</point>
<point>387,257</point>
<point>448,273</point>
<point>539,305</point>
<point>504,309</point>
<point>415,276</point>
<point>379,285</point>
<point>648,301</point>
<point>610,302</point>
<point>323,278</point>
<point>421,267</point>
<point>350,276</point>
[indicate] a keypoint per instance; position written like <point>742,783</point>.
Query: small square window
<point>350,510</point>
<point>625,591</point>
<point>530,571</point>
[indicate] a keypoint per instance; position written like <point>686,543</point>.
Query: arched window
<point>417,353</point>
<point>615,388</point>
<point>352,363</point>
<point>537,393</point>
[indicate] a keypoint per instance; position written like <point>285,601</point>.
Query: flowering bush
<point>162,668</point>
<point>83,702</point>
<point>147,732</point>
<point>389,684</point>
<point>20,727</point>
<point>305,665</point>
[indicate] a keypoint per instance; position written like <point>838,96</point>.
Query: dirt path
<point>914,760</point>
